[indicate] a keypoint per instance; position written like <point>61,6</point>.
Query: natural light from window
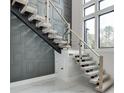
<point>107,30</point>
<point>85,1</point>
<point>90,32</point>
<point>106,3</point>
<point>90,10</point>
<point>98,23</point>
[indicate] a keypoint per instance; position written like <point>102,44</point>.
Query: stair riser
<point>29,10</point>
<point>49,32</point>
<point>96,81</point>
<point>90,75</point>
<point>83,60</point>
<point>106,86</point>
<point>42,24</point>
<point>32,18</point>
<point>54,37</point>
<point>89,67</point>
<point>88,64</point>
<point>22,2</point>
<point>85,55</point>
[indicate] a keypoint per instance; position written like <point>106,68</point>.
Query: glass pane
<point>89,10</point>
<point>106,3</point>
<point>85,1</point>
<point>107,30</point>
<point>90,32</point>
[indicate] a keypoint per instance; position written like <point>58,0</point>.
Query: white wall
<point>65,66</point>
<point>108,59</point>
<point>76,21</point>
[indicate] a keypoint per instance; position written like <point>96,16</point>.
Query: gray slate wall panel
<point>30,56</point>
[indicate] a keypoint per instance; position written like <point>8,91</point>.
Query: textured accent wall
<point>30,55</point>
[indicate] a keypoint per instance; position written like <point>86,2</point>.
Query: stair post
<point>100,72</point>
<point>47,10</point>
<point>68,37</point>
<point>80,51</point>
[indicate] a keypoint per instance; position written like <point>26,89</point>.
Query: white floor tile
<point>57,86</point>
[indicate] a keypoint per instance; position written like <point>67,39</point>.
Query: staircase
<point>38,24</point>
<point>91,71</point>
<point>41,26</point>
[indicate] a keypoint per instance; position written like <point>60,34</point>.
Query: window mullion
<point>89,3</point>
<point>83,24</point>
<point>96,24</point>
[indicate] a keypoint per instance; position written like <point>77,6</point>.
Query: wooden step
<point>49,31</point>
<point>36,17</point>
<point>54,36</point>
<point>64,46</point>
<point>83,55</point>
<point>60,41</point>
<point>44,25</point>
<point>24,2</point>
<point>86,58</point>
<point>87,62</point>
<point>29,9</point>
<point>107,84</point>
<point>46,29</point>
<point>89,67</point>
<point>92,73</point>
<point>95,80</point>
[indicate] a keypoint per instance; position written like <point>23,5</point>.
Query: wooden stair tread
<point>41,24</point>
<point>24,2</point>
<point>95,80</point>
<point>107,84</point>
<point>87,62</point>
<point>36,17</point>
<point>29,9</point>
<point>89,67</point>
<point>92,73</point>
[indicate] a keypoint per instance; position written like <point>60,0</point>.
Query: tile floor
<point>57,86</point>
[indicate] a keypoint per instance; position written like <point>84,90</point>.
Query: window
<point>106,30</point>
<point>89,10</point>
<point>90,32</point>
<point>98,23</point>
<point>85,1</point>
<point>106,3</point>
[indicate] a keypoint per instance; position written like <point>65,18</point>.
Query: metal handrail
<point>97,54</point>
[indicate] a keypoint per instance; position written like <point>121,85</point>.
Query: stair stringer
<point>24,19</point>
<point>109,79</point>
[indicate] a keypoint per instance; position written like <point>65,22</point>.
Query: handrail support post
<point>100,72</point>
<point>68,31</point>
<point>47,11</point>
<point>80,51</point>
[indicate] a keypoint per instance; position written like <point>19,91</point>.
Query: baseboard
<point>29,81</point>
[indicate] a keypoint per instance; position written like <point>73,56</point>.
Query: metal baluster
<point>47,11</point>
<point>68,37</point>
<point>100,72</point>
<point>80,51</point>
